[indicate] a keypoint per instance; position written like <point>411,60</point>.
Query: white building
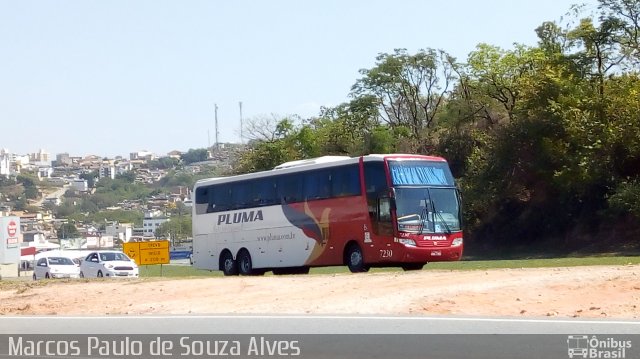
<point>53,200</point>
<point>142,155</point>
<point>79,185</point>
<point>45,172</point>
<point>5,165</point>
<point>121,231</point>
<point>123,167</point>
<point>151,221</point>
<point>107,171</point>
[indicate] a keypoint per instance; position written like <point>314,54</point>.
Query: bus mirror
<point>384,209</point>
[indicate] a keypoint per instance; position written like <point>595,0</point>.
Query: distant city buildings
<point>40,158</point>
<point>142,155</point>
<point>63,159</point>
<point>66,171</point>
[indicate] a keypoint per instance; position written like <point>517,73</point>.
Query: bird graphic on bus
<point>312,226</point>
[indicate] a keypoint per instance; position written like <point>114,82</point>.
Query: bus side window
<point>202,200</point>
<point>221,198</point>
<point>290,188</point>
<point>316,185</point>
<point>345,181</point>
<point>263,192</point>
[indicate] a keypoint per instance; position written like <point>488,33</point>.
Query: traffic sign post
<point>156,252</point>
<point>9,246</point>
<point>148,253</point>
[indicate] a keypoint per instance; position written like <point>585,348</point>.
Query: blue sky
<point>114,77</point>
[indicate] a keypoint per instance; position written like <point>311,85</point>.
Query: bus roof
<point>314,163</point>
<point>311,161</point>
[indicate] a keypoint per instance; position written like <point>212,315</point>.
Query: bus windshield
<point>420,172</point>
<point>427,210</point>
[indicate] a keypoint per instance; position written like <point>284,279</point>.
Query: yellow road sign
<point>148,253</point>
<point>132,249</point>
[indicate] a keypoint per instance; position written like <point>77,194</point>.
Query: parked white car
<point>108,264</point>
<point>55,267</point>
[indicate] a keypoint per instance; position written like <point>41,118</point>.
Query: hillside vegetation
<point>544,140</point>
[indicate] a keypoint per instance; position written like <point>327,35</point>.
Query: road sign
<point>12,228</point>
<point>148,253</point>
<point>132,249</point>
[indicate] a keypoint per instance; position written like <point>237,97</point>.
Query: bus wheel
<point>245,267</point>
<point>227,264</point>
<point>412,266</point>
<point>355,260</point>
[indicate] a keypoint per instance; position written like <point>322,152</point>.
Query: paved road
<point>274,324</point>
<point>57,194</point>
<point>327,336</point>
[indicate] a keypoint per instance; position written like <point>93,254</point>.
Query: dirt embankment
<point>589,292</point>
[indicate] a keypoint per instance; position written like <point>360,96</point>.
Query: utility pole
<point>216,118</point>
<point>241,127</point>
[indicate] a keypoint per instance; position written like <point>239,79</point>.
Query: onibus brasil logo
<point>583,346</point>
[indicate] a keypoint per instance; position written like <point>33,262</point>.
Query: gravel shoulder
<point>584,292</point>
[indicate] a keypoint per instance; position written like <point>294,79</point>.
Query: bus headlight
<point>456,242</point>
<point>407,241</point>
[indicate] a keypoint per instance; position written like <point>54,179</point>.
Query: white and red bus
<point>376,210</point>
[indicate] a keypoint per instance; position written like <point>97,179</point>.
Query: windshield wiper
<point>423,216</point>
<point>446,226</point>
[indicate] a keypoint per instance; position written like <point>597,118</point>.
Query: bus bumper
<point>431,254</point>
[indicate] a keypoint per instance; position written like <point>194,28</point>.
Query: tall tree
<point>195,155</point>
<point>624,17</point>
<point>67,230</point>
<point>90,177</point>
<point>410,89</point>
<point>273,141</point>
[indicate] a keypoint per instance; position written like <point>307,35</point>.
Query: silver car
<point>108,264</point>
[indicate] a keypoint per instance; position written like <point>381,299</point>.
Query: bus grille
<point>432,243</point>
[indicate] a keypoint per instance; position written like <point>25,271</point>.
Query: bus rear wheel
<point>227,264</point>
<point>245,265</point>
<point>355,259</point>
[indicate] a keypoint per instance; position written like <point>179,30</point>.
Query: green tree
<point>67,230</point>
<point>410,89</point>
<point>623,17</point>
<point>346,128</point>
<point>195,155</point>
<point>128,176</point>
<point>90,177</point>
<point>164,163</point>
<point>176,229</point>
<point>274,141</point>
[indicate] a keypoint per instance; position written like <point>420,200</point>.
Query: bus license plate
<point>436,253</point>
